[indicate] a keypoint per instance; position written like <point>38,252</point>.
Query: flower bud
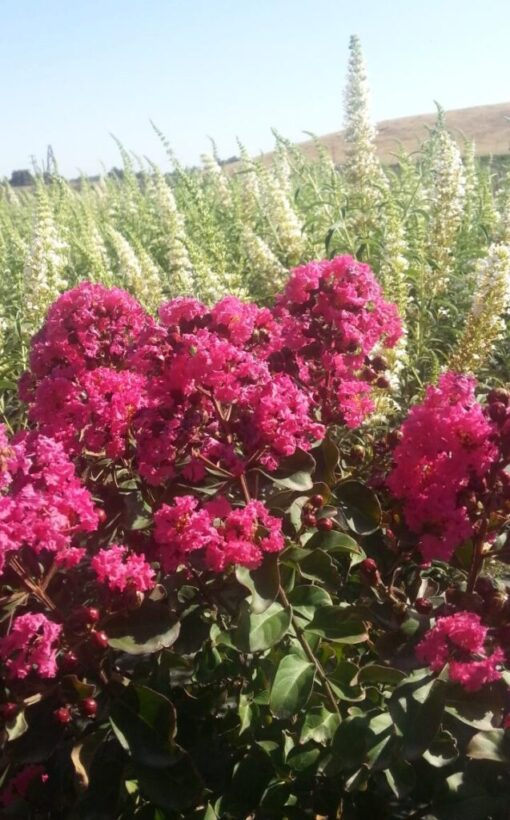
<point>88,707</point>
<point>370,574</point>
<point>8,711</point>
<point>379,363</point>
<point>498,395</point>
<point>99,639</point>
<point>317,501</point>
<point>497,412</point>
<point>423,606</point>
<point>62,715</point>
<point>69,662</point>
<point>357,454</point>
<point>394,437</point>
<point>325,524</point>
<point>309,520</point>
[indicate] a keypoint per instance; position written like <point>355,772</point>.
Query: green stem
<point>309,652</point>
<point>478,558</point>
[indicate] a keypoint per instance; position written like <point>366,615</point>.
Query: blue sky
<point>72,72</point>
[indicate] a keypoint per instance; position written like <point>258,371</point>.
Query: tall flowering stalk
<point>283,220</point>
<point>363,173</point>
<point>139,272</point>
<point>266,271</point>
<point>485,324</point>
<point>446,200</point>
<point>394,264</point>
<point>45,265</point>
<point>217,180</point>
<point>175,252</point>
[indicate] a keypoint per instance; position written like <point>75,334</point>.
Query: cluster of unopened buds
<point>312,515</point>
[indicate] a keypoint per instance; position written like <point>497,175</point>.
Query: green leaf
<point>442,751</point>
<point>174,788</point>
<point>17,726</point>
<point>319,566</point>
<point>143,631</point>
<point>334,542</point>
<point>328,456</point>
<point>299,760</point>
<point>256,633</point>
<point>246,711</point>
<point>401,778</point>
<point>306,599</point>
<point>343,682</point>
<point>491,745</point>
<point>292,686</point>
<point>360,506</point>
<point>142,741</point>
<point>479,712</point>
<point>424,722</point>
<point>376,673</point>
<point>350,743</point>
<point>294,473</point>
<point>319,725</point>
<point>155,708</point>
<point>333,623</point>
<point>263,582</point>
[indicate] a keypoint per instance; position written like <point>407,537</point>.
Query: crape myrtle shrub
<point>228,590</point>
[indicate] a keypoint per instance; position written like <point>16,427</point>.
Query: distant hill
<point>487,125</point>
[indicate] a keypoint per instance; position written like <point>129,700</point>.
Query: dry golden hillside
<point>487,125</point>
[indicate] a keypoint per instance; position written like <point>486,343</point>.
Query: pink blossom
<point>118,568</point>
<point>182,312</point>
<point>475,674</point>
<point>30,646</point>
<point>431,470</point>
<point>88,326</point>
<point>181,529</point>
<point>455,639</point>
<point>225,535</point>
<point>45,505</point>
<point>333,318</point>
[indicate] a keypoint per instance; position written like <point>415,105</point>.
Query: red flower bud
<point>91,614</point>
<point>309,520</point>
<point>9,710</point>
<point>88,707</point>
<point>394,437</point>
<point>379,363</point>
<point>99,639</point>
<point>423,605</point>
<point>102,516</point>
<point>317,501</point>
<point>369,572</point>
<point>62,715</point>
<point>325,524</point>
<point>498,395</point>
<point>497,412</point>
<point>69,662</point>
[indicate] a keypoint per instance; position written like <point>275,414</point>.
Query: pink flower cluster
<point>118,569</point>
<point>333,320</point>
<point>43,506</point>
<point>30,646</point>
<point>78,389</point>
<point>459,641</point>
<point>233,386</point>
<point>446,444</point>
<point>223,534</point>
